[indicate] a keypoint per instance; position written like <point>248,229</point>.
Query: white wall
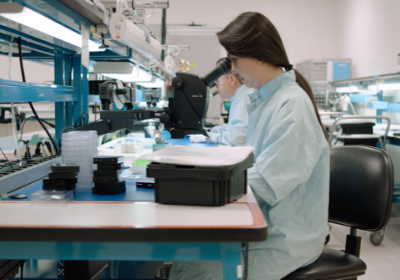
<point>369,34</point>
<point>367,31</point>
<point>34,72</point>
<point>307,27</point>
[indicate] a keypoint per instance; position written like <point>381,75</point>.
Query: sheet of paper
<point>200,156</point>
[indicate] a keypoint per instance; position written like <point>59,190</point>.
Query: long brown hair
<point>253,35</point>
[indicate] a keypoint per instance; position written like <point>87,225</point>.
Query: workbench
<point>129,226</point>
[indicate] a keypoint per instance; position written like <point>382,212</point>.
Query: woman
<point>290,177</point>
<point>234,133</point>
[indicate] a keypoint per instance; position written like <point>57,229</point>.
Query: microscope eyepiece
<point>223,66</point>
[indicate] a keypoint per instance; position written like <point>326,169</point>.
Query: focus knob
<point>177,82</point>
<point>164,118</point>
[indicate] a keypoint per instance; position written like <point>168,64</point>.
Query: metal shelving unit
<point>14,91</point>
<point>75,15</point>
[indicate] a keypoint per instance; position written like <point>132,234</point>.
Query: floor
<point>383,261</point>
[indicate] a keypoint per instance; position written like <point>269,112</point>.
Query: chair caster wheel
<point>376,238</point>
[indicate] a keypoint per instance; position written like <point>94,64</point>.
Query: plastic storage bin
<point>203,186</point>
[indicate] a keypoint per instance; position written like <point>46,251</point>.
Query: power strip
<point>18,177</point>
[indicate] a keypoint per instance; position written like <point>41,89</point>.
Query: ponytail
<point>302,82</point>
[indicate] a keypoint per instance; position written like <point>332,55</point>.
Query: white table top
<point>83,215</point>
<point>126,214</point>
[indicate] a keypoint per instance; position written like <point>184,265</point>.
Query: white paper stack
<point>80,147</point>
<point>200,156</point>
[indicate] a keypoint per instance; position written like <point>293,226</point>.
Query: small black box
<point>106,172</point>
<point>197,185</point>
<point>59,185</point>
<point>145,185</point>
<point>108,160</point>
<point>63,175</point>
<point>105,179</point>
<point>110,185</point>
<point>59,188</point>
<point>64,167</point>
<point>109,166</point>
<point>108,190</point>
<point>59,182</point>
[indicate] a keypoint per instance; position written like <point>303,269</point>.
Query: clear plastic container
<point>148,143</point>
<point>52,196</point>
<point>80,147</point>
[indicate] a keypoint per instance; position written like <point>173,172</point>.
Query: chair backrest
<point>361,187</point>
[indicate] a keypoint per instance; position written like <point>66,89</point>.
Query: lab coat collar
<point>239,91</point>
<point>269,88</point>
<point>272,86</point>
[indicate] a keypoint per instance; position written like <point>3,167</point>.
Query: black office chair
<point>361,194</point>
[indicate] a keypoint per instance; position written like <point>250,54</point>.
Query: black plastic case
<point>358,128</point>
<point>105,172</point>
<point>105,179</point>
<point>110,185</point>
<point>118,190</point>
<point>64,167</point>
<point>117,166</point>
<point>69,175</point>
<point>195,185</point>
<point>108,160</point>
<point>59,184</point>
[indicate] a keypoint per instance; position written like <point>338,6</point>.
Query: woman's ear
<point>232,80</point>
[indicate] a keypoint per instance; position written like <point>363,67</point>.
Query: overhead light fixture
<point>34,20</point>
<point>347,89</point>
<point>122,70</point>
<point>188,30</point>
<point>392,86</point>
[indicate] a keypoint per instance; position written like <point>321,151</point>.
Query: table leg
<point>232,260</point>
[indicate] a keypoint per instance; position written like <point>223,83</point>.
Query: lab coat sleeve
<point>216,129</point>
<point>235,133</point>
<point>290,150</point>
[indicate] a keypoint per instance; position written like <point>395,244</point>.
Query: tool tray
<point>198,185</point>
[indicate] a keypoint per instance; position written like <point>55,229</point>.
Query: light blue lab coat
<point>235,132</point>
<point>290,179</point>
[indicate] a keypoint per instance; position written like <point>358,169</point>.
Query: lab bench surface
<point>129,226</point>
<point>90,229</point>
<point>132,217</point>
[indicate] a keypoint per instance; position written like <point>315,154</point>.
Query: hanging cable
<point>13,118</point>
<point>30,103</point>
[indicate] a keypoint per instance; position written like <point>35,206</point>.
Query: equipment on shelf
<point>115,92</point>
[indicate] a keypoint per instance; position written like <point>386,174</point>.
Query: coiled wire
<point>246,261</point>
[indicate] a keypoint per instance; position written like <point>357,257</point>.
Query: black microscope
<point>188,108</point>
